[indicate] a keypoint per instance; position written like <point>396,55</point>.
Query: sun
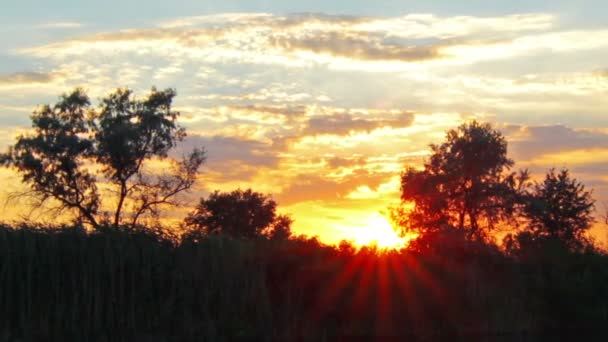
<point>378,231</point>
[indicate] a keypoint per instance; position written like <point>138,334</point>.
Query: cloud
<point>301,40</point>
<point>26,78</point>
<point>531,142</point>
<point>344,123</point>
<point>60,25</point>
<point>276,93</point>
<point>268,114</point>
<point>428,25</point>
<point>601,72</point>
<point>543,43</point>
<point>339,162</point>
<point>292,21</point>
<point>146,41</point>
<point>309,187</point>
<point>230,156</point>
<point>284,110</point>
<point>214,20</point>
<point>356,46</point>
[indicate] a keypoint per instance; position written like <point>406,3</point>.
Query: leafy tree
<point>71,139</point>
<point>280,229</point>
<point>464,184</point>
<point>242,214</point>
<point>558,209</point>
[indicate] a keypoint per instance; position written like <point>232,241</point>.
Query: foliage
<point>280,229</point>
<point>559,210</point>
<point>70,138</point>
<point>464,183</point>
<point>240,213</point>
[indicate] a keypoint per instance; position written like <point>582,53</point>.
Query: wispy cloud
<point>60,25</point>
<point>355,46</point>
<point>346,122</point>
<point>533,143</point>
<point>299,40</point>
<point>27,79</point>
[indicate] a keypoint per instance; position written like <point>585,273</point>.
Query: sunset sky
<point>323,104</point>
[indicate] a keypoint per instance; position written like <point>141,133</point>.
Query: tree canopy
<point>240,213</point>
<point>558,209</point>
<point>464,184</point>
<point>71,139</point>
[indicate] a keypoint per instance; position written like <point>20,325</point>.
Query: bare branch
<point>163,189</point>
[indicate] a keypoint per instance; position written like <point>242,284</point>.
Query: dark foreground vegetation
<point>236,271</point>
<point>124,284</point>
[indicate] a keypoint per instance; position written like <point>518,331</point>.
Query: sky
<point>322,104</point>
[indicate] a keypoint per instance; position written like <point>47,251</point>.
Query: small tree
<point>464,184</point>
<point>559,209</point>
<point>242,214</point>
<point>71,139</point>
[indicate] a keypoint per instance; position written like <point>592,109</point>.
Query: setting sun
<point>379,232</point>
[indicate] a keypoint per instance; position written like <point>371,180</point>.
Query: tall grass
<point>65,284</point>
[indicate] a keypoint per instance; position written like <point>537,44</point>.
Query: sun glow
<point>379,232</point>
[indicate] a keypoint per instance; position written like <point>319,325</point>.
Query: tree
<point>464,184</point>
<point>71,140</point>
<point>559,209</point>
<point>241,214</point>
<point>280,229</point>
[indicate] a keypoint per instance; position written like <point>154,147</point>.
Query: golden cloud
<point>345,123</point>
<point>356,46</point>
<point>26,79</point>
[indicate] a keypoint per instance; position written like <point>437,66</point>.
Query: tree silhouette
<point>71,138</point>
<point>558,209</point>
<point>280,229</point>
<point>464,183</point>
<point>242,214</point>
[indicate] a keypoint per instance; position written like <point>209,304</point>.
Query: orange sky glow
<point>324,111</point>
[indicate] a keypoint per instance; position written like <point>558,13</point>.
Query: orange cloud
<point>572,157</point>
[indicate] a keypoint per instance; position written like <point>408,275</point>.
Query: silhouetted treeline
<point>237,271</point>
<point>128,284</point>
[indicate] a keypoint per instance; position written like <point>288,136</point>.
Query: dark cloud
<point>535,141</point>
<point>26,78</point>
<point>232,158</point>
<point>357,46</point>
<point>338,162</point>
<point>600,168</point>
<point>343,123</point>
